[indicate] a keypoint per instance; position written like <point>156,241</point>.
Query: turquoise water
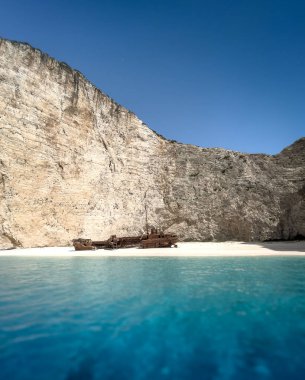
<point>152,318</point>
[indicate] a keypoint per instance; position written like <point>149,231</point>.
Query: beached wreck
<point>154,239</point>
<point>112,243</point>
<point>157,239</point>
<point>83,244</point>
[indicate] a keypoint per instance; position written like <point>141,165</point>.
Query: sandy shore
<point>184,250</point>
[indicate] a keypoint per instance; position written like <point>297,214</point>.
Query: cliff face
<point>73,163</point>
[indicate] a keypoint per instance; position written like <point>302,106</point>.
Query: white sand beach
<point>185,249</point>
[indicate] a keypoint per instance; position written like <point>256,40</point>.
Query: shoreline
<point>185,249</point>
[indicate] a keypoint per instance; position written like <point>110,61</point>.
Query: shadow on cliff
<point>282,245</point>
<point>289,234</point>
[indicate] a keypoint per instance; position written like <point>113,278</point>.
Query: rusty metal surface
<point>158,240</point>
<point>154,239</point>
<point>83,245</point>
<point>118,242</point>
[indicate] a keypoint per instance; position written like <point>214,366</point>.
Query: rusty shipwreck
<point>154,239</point>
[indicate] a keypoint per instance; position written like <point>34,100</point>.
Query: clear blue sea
<point>152,318</point>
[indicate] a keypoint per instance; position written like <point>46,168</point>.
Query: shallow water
<point>152,318</point>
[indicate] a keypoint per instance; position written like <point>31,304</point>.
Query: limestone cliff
<point>73,163</point>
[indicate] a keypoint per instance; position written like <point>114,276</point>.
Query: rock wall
<point>73,163</point>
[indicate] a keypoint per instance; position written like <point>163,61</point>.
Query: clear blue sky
<point>215,73</point>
